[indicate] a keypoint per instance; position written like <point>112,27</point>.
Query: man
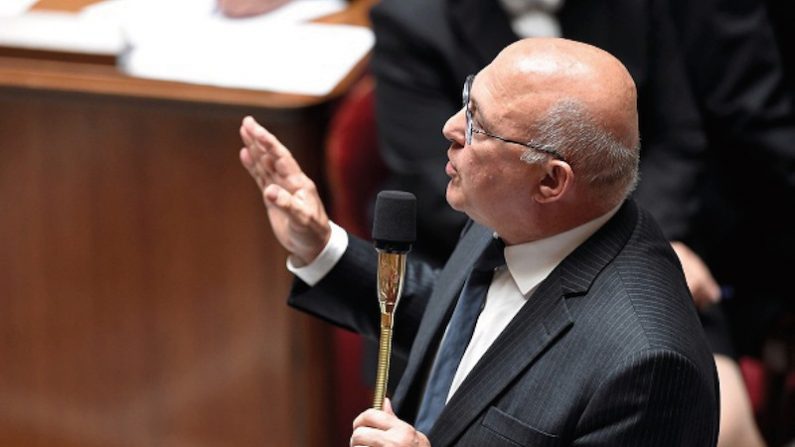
<point>588,335</point>
<point>711,105</point>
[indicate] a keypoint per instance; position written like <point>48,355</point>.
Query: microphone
<point>394,230</point>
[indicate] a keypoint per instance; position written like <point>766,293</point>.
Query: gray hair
<point>599,159</point>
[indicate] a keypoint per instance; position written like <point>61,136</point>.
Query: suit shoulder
<point>640,300</point>
<point>655,287</point>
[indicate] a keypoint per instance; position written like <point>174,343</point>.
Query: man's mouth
<point>449,169</point>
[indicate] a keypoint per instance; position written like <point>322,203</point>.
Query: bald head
<point>565,108</point>
<point>575,98</point>
<point>578,71</point>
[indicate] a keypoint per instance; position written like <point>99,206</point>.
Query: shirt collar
<point>531,262</point>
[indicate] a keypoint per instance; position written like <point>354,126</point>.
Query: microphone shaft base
<point>384,354</point>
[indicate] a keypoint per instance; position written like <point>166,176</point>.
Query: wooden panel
<point>142,291</point>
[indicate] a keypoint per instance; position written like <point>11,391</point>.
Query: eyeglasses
<point>471,129</point>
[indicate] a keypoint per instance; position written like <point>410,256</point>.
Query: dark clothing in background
<point>745,227</point>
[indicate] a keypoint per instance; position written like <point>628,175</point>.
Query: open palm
<point>297,215</point>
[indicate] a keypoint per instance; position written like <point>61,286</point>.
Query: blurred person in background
<point>782,15</point>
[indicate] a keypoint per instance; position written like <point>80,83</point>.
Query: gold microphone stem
<point>384,354</point>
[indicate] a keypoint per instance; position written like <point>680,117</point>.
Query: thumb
<point>388,406</point>
<point>277,196</point>
<point>291,204</point>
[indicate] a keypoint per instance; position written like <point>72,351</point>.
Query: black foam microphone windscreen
<point>395,220</point>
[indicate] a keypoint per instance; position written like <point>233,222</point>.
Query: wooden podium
<point>141,290</point>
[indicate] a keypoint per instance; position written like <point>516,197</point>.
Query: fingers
<point>295,205</point>
<point>383,428</point>
<point>253,156</point>
<point>300,208</point>
<point>267,159</point>
<point>260,141</point>
<point>363,433</point>
<point>249,164</point>
<point>278,197</point>
<point>375,419</point>
<point>371,437</point>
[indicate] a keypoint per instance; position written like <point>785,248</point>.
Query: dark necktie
<point>459,332</point>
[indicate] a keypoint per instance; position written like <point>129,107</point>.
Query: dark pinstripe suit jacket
<point>607,352</point>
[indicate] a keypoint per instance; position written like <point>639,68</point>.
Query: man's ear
<point>558,179</point>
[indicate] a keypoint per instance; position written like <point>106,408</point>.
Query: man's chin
<point>453,197</point>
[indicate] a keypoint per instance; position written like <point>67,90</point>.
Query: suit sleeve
<point>654,398</point>
<point>347,296</point>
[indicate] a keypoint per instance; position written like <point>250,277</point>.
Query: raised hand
<point>297,216</point>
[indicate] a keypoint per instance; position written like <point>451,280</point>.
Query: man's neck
<point>549,222</point>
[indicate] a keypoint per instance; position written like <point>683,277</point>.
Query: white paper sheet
<point>305,59</point>
<point>11,8</point>
<point>160,19</point>
<point>60,32</point>
<point>189,41</point>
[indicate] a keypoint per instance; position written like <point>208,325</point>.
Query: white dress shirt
<point>511,288</point>
<point>513,285</point>
<point>313,272</point>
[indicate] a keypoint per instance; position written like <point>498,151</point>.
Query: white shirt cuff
<point>316,270</point>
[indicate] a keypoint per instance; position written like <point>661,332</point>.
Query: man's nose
<point>454,129</point>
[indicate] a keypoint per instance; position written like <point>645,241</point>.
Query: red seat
<point>354,167</point>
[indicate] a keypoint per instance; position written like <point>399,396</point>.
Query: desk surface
<point>63,5</point>
<point>46,70</point>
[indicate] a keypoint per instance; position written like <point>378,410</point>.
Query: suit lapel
<point>541,322</point>
<point>437,313</point>
<point>537,325</point>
